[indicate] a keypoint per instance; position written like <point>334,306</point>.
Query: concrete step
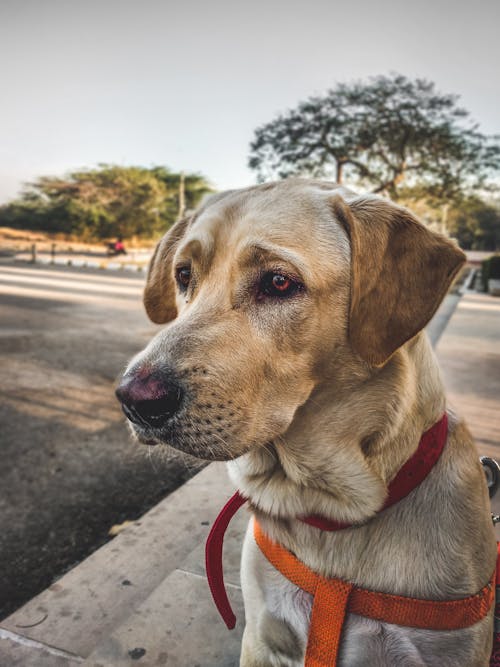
<point>17,651</point>
<point>178,625</point>
<point>83,608</point>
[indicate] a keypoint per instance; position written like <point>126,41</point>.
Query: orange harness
<point>333,598</point>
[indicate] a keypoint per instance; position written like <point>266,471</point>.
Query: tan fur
<point>318,400</point>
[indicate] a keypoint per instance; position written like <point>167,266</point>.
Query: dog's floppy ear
<point>159,293</point>
<point>400,272</point>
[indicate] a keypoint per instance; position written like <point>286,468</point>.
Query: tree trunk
<point>340,167</point>
<point>182,197</point>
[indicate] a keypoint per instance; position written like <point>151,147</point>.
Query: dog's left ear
<point>159,293</point>
<point>400,272</point>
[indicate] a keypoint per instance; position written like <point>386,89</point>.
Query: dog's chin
<point>200,447</point>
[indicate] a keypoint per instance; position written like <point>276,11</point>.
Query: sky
<point>185,84</point>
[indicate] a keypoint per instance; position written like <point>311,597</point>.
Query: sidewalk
<point>469,356</point>
<point>143,598</point>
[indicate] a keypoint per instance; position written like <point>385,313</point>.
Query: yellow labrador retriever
<point>294,349</point>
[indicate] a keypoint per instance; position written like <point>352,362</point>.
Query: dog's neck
<point>341,451</point>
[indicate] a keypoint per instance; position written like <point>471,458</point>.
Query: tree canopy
<point>476,224</point>
<point>385,134</point>
<point>104,202</point>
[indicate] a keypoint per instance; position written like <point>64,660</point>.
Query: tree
<point>385,134</point>
<point>476,224</point>
<point>195,188</point>
<point>105,202</point>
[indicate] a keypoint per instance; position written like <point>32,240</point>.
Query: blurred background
<point>116,118</point>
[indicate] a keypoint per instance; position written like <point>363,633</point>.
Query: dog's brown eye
<point>183,276</point>
<point>281,283</point>
<point>278,284</point>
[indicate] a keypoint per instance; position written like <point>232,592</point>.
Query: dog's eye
<point>278,284</point>
<point>183,275</point>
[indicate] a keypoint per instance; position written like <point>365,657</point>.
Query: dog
<point>295,351</point>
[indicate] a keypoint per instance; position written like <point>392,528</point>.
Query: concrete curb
<point>77,263</point>
<point>151,576</point>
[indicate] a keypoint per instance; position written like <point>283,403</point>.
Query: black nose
<point>149,401</point>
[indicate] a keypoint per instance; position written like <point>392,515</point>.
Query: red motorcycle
<point>116,248</point>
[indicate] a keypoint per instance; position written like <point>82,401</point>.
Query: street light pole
<point>182,197</point>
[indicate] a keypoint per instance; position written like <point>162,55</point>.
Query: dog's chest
<point>363,639</point>
<point>284,600</point>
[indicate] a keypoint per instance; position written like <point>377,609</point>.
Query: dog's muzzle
<point>149,401</point>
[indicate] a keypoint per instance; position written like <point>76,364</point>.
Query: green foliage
<point>105,202</point>
<point>490,268</point>
<point>385,134</point>
<point>195,188</point>
<point>475,224</point>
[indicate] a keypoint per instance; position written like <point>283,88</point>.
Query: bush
<point>490,269</point>
<point>495,267</point>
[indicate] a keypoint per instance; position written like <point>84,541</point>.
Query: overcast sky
<point>185,84</point>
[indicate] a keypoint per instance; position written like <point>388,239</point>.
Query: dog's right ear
<point>159,293</point>
<point>400,272</point>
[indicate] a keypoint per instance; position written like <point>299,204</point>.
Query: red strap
<point>495,651</point>
<point>410,475</point>
<point>213,558</point>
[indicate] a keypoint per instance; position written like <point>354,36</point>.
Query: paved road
<point>69,470</point>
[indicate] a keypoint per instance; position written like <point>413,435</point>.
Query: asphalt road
<point>69,468</point>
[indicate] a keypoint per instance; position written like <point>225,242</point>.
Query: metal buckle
<point>492,472</point>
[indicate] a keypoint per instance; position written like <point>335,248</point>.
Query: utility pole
<point>445,209</point>
<point>182,197</point>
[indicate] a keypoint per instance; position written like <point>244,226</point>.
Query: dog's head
<point>268,293</point>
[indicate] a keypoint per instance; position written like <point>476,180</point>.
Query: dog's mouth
<point>145,439</point>
<point>204,438</point>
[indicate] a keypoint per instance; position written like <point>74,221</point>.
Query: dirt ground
<point>69,468</point>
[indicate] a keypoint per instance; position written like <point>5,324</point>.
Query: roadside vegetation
<point>390,135</point>
<point>106,202</point>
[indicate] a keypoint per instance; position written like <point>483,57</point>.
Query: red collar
<point>410,475</point>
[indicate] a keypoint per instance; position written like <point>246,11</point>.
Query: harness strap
<point>333,598</point>
<point>213,558</point>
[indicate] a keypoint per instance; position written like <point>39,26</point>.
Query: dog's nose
<point>149,401</point>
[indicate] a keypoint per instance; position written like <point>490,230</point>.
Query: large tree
<point>476,224</point>
<point>385,134</point>
<point>104,202</point>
